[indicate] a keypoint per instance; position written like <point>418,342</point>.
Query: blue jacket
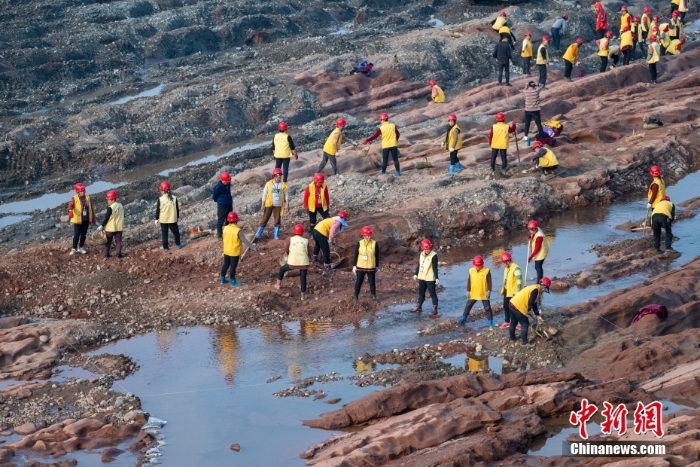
<point>222,194</point>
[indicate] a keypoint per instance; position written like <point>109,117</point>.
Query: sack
<point>550,131</point>
<point>653,120</point>
<point>554,124</point>
<point>551,142</point>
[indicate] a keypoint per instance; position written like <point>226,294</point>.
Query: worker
<point>167,214</point>
<point>604,50</point>
<point>390,137</point>
<point>683,9</point>
<point>297,249</point>
<point>653,57</point>
<point>436,93</point>
<point>644,29</point>
<point>661,218</point>
<point>635,30</point>
<point>526,52</point>
<point>544,159</point>
<point>532,108</point>
<point>503,54</point>
<point>657,188</point>
<point>233,238</point>
<point>366,263</point>
<point>538,247</point>
<point>504,32</point>
<point>274,201</point>
<point>559,29</point>
<point>676,25</point>
<point>453,143</point>
<point>529,298</point>
<point>478,288</point>
<point>626,45</point>
<point>601,20</point>
<point>625,18</point>
<point>499,139</point>
<point>674,5</point>
<point>427,276</point>
<point>571,58</point>
<point>326,231</point>
<point>81,216</point>
<point>332,146</point>
<point>542,60</point>
<point>113,224</point>
<point>221,194</point>
<point>614,56</point>
<point>655,21</point>
<point>512,283</point>
<point>317,199</point>
<point>283,149</point>
<point>363,67</point>
<point>500,21</point>
<point>664,38</point>
<point>675,46</point>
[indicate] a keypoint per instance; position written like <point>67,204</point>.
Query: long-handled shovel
<point>527,263</point>
<point>517,149</point>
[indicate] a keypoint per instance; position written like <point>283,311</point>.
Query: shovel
<point>517,149</point>
<point>527,263</point>
<point>542,329</point>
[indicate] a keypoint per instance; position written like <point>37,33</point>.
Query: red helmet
<point>624,8</point>
<point>164,186</point>
<point>665,198</point>
<point>340,123</point>
<point>656,18</point>
<point>298,229</point>
<point>609,35</point>
<point>383,116</point>
<point>366,231</point>
<point>343,215</point>
<point>503,13</point>
<point>528,33</point>
<point>500,117</point>
<point>682,40</point>
<point>478,261</point>
<point>545,38</point>
<point>432,82</point>
<point>426,244</point>
<point>532,225</point>
<point>111,194</point>
<point>565,16</point>
<point>635,19</point>
<point>579,40</point>
<point>79,188</point>
<point>652,38</point>
<point>546,281</point>
<point>282,126</point>
<point>537,144</point>
<point>655,29</point>
<point>655,171</point>
<point>277,171</point>
<point>319,178</point>
<point>452,118</point>
<point>505,256</point>
<point>675,13</point>
<point>625,29</point>
<point>232,217</point>
<point>647,10</point>
<point>225,177</point>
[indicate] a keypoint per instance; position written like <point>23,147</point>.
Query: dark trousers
<point>504,158</point>
<point>522,320</point>
<point>501,68</point>
<point>543,74</point>
<point>568,67</point>
<point>652,71</point>
<point>627,56</point>
<point>230,262</point>
<point>302,275</point>
<point>164,233</point>
<point>454,160</point>
<point>674,7</point>
<point>600,33</point>
<point>682,17</point>
<point>615,59</point>
<point>658,222</point>
<point>222,211</point>
<point>556,38</point>
<point>79,234</point>
<point>526,65</point>
<point>360,278</point>
<point>322,245</point>
<point>394,155</point>
<point>334,163</point>
<point>273,211</point>
<point>430,287</point>
<point>312,216</point>
<point>539,270</point>
<point>284,163</point>
<point>506,308</point>
<point>603,64</point>
<point>529,117</point>
<point>117,236</point>
<point>487,308</point>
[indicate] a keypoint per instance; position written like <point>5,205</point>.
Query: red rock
<point>6,455</point>
<point>83,427</point>
<point>109,454</point>
<point>26,429</point>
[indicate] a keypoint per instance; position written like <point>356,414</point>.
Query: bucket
<point>423,164</point>
<point>99,238</point>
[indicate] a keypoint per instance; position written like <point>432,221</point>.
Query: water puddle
<point>12,219</point>
<point>147,93</point>
<point>342,31</point>
<point>436,23</point>
<point>692,27</point>
<point>215,157</point>
<point>64,373</point>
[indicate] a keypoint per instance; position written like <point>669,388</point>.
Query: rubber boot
<point>277,232</point>
<point>222,279</point>
<point>452,169</point>
<point>398,173</point>
<point>261,229</point>
<point>459,167</point>
<point>278,284</point>
<point>417,309</point>
<point>434,313</point>
<point>490,324</point>
<point>233,283</point>
<point>462,319</point>
<point>354,298</point>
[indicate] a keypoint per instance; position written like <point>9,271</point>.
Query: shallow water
<point>147,93</point>
<point>51,200</point>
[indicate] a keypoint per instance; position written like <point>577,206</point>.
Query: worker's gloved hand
<point>648,205</point>
<point>437,281</point>
<point>364,141</point>
<point>354,269</point>
<point>415,278</point>
<point>452,149</point>
<point>539,319</point>
<point>156,222</point>
<point>296,156</point>
<point>255,248</point>
<point>442,145</point>
<point>100,228</point>
<point>529,260</point>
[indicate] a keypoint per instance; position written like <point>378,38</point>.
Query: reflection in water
<point>165,340</point>
<point>477,363</point>
<point>225,347</point>
<point>512,366</point>
<point>362,367</point>
<point>275,333</point>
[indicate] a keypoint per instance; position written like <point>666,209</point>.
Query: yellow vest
<point>644,25</point>
<point>655,52</point>
<point>454,138</point>
<point>499,140</point>
<point>603,47</point>
<point>675,27</point>
<point>663,207</point>
<point>77,217</point>
<point>634,28</point>
<point>324,227</point>
<point>298,251</point>
<point>673,47</point>
<point>659,194</point>
<point>652,24</point>
<point>626,40</point>
<point>388,135</point>
<point>440,98</point>
<point>571,53</point>
<point>116,220</point>
<point>425,267</point>
<point>500,22</point>
<point>683,6</point>
<point>283,195</point>
<point>544,250</point>
<point>282,149</point>
<point>168,210</point>
<point>504,30</point>
<point>365,257</point>
<point>232,244</point>
<point>665,36</point>
<point>527,51</point>
<point>624,20</point>
<point>521,299</point>
<point>312,197</point>
<point>477,284</point>
<point>548,160</point>
<point>540,60</point>
<point>329,147</point>
<point>676,2</point>
<point>510,282</point>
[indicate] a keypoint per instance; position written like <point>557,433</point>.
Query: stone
<point>26,429</point>
<point>43,338</point>
<point>235,447</point>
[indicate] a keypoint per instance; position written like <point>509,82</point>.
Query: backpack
<point>653,120</point>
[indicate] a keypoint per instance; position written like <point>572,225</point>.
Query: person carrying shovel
<point>656,191</point>
<point>527,299</point>
<point>233,240</point>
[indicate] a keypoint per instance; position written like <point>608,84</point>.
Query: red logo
<point>646,418</point>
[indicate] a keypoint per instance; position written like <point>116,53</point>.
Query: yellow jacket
<point>571,53</point>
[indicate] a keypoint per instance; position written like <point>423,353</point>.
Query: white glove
<point>452,149</point>
<point>437,281</point>
<point>156,222</point>
<point>99,229</point>
<point>442,145</point>
<point>415,278</point>
<point>255,248</point>
<point>354,269</point>
<point>539,320</point>
<point>648,205</point>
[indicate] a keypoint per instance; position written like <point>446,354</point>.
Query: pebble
<point>235,447</point>
<point>44,338</point>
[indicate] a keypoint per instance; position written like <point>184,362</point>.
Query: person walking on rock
<point>233,240</point>
<point>644,29</point>
<point>532,108</point>
<point>526,52</point>
<point>542,61</point>
<point>500,21</point>
<point>274,201</point>
<point>675,47</point>
<point>544,159</point>
<point>332,146</point>
<point>601,20</point>
<point>427,276</point>
<point>326,231</point>
<point>512,284</point>
<point>625,19</point>
<point>297,249</point>
<point>657,188</point>
<point>676,25</point>
<point>529,298</point>
<point>81,216</point>
<point>653,57</point>
<point>503,55</point>
<point>167,214</point>
<point>224,201</point>
<point>366,263</point>
<point>604,50</point>
<point>538,247</point>
<point>453,143</point>
<point>283,149</point>
<point>571,58</point>
<point>317,199</point>
<point>113,224</point>
<point>499,140</point>
<point>437,95</point>
<point>626,45</point>
<point>559,29</point>
<point>390,138</point>
<point>478,288</point>
<point>662,216</point>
